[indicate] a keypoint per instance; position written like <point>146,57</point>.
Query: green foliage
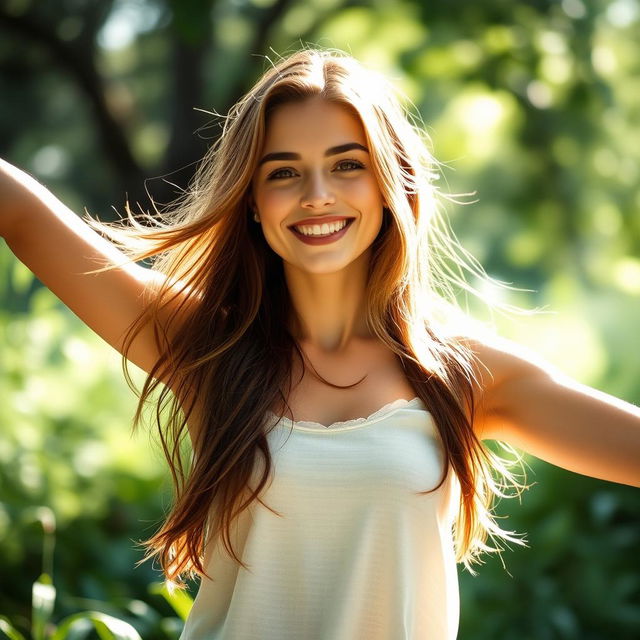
<point>80,625</point>
<point>74,627</point>
<point>179,600</point>
<point>69,467</point>
<point>42,602</point>
<point>579,577</point>
<point>108,628</point>
<point>531,105</point>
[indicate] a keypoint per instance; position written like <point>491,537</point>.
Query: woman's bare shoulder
<point>496,357</point>
<point>502,368</point>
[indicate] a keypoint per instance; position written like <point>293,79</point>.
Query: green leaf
<point>79,629</point>
<point>43,599</point>
<point>108,627</point>
<point>9,630</point>
<point>180,600</point>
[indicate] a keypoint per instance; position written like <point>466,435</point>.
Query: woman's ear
<point>253,207</point>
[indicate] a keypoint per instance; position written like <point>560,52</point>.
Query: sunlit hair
<point>227,342</point>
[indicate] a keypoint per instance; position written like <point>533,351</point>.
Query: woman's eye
<point>349,165</point>
<point>280,174</point>
<point>286,172</point>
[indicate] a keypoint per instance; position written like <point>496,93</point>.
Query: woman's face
<point>315,169</point>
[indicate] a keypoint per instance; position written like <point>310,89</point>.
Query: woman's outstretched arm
<point>59,248</point>
<point>530,405</point>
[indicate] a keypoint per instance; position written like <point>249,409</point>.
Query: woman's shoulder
<point>491,355</point>
<point>496,357</point>
<point>503,371</point>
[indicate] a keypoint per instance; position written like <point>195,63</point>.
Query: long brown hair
<point>230,348</point>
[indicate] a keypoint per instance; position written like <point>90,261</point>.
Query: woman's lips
<point>313,240</point>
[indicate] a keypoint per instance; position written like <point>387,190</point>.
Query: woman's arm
<point>530,405</point>
<point>59,248</point>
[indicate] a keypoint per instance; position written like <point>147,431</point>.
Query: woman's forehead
<point>314,122</point>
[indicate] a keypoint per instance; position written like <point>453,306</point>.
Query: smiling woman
<point>295,324</point>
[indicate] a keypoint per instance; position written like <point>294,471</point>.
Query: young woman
<point>296,325</point>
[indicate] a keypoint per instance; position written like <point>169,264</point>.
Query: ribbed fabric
<point>356,555</point>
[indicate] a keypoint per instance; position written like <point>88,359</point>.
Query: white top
<point>356,554</point>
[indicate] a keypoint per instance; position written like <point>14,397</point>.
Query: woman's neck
<point>329,308</point>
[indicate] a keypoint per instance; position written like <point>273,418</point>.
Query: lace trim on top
<point>384,411</point>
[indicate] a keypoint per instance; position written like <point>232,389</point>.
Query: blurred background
<point>532,105</point>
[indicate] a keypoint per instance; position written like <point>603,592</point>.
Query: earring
<point>256,217</point>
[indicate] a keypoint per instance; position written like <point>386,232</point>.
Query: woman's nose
<point>317,193</point>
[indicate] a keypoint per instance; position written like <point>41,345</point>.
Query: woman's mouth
<point>322,233</point>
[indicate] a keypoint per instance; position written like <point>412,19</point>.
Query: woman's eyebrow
<point>331,151</point>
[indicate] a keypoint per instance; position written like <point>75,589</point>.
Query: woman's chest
<point>337,388</point>
<point>388,460</point>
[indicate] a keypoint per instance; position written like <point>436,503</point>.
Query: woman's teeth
<point>321,229</point>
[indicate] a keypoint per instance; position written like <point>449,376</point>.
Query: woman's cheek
<point>275,203</point>
<point>365,187</point>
